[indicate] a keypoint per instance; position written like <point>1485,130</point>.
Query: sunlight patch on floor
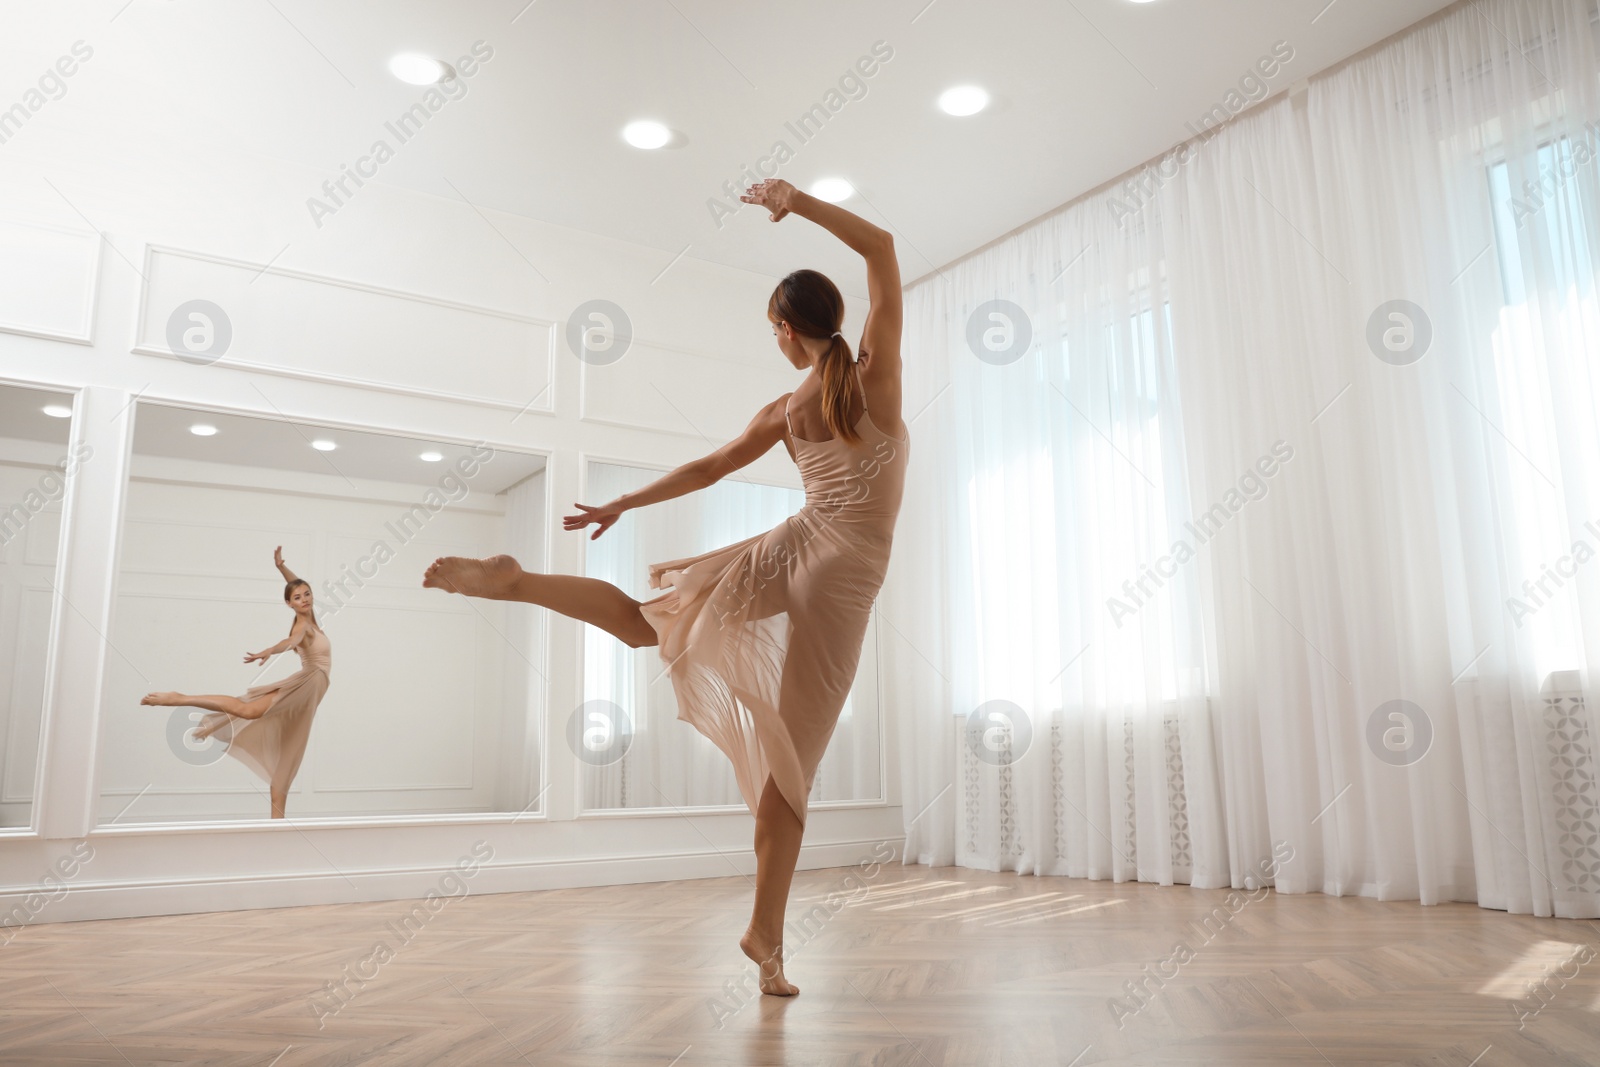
<point>1540,960</point>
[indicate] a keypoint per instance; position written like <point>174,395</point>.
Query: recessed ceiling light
<point>323,445</point>
<point>413,68</point>
<point>203,429</point>
<point>646,133</point>
<point>963,100</point>
<point>57,411</point>
<point>431,457</point>
<point>832,190</point>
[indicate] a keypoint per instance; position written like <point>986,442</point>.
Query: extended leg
<point>586,599</point>
<point>777,844</point>
<point>253,709</point>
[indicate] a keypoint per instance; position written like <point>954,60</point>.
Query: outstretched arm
<point>880,338</point>
<point>764,431</point>
<point>283,568</point>
<point>297,632</point>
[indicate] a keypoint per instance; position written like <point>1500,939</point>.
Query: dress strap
<point>786,413</point>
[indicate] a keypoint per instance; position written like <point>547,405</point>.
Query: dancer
<point>271,740</point>
<point>762,638</point>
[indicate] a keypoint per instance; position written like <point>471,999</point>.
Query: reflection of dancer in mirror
<point>762,638</point>
<point>277,716</point>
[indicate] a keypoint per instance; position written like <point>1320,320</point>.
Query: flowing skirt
<point>273,745</point>
<point>762,640</point>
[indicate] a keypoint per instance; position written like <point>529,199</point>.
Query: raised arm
<point>283,568</point>
<point>764,431</point>
<point>880,337</point>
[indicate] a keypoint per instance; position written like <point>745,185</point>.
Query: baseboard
<point>120,899</point>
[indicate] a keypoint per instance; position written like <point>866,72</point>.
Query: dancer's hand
<point>602,517</point>
<point>283,568</point>
<point>774,194</point>
<point>252,657</point>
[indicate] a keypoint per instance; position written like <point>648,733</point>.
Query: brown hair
<point>812,307</point>
<point>288,591</point>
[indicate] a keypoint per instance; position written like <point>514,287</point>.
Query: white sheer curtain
<point>1420,527</point>
<point>1053,685</point>
<point>668,763</point>
<point>1497,424</point>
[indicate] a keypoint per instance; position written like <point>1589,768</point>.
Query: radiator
<point>1570,750</point>
<point>1123,832</point>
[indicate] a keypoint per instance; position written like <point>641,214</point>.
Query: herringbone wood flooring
<point>930,967</point>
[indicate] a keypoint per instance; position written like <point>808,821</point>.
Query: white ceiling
<point>248,441</point>
<point>275,444</point>
<point>22,416</point>
<point>1084,90</point>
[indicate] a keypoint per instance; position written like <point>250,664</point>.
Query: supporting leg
<point>280,798</point>
<point>777,844</point>
<point>586,599</point>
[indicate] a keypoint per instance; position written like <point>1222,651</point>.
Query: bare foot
<point>490,578</point>
<point>768,958</point>
<point>164,700</point>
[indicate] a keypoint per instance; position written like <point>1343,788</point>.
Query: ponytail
<point>837,389</point>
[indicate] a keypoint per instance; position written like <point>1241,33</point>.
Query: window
<point>1542,344</point>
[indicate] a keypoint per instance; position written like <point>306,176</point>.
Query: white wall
<point>404,313</point>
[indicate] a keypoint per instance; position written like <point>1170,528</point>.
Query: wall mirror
<point>430,704</point>
<point>36,462</point>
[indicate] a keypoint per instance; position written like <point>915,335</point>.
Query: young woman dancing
<point>762,638</point>
<point>271,739</point>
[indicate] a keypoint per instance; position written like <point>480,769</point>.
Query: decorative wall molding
<point>49,281</point>
<point>322,328</point>
<point>660,388</point>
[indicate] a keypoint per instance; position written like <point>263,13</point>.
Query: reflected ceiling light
<point>414,68</point>
<point>57,411</point>
<point>431,457</point>
<point>963,100</point>
<point>203,429</point>
<point>323,445</point>
<point>832,190</point>
<point>646,133</point>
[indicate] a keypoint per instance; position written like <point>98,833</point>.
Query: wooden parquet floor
<point>915,966</point>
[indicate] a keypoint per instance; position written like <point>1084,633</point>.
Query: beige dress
<point>762,638</point>
<point>274,744</point>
